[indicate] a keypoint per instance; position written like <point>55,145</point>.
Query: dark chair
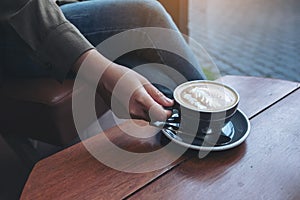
<point>13,172</point>
<point>41,109</point>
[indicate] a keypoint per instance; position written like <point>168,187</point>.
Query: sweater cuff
<point>61,49</point>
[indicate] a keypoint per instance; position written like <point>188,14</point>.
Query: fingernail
<point>168,100</point>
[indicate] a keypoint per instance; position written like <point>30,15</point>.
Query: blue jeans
<point>99,20</point>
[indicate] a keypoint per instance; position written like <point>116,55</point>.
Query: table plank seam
<point>76,173</point>
<point>274,103</point>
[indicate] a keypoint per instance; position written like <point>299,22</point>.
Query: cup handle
<point>174,120</point>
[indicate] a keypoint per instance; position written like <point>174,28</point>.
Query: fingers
<point>158,113</point>
<point>146,102</point>
<point>158,96</point>
<point>144,106</point>
<point>155,113</point>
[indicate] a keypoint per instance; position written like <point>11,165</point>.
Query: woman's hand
<point>138,98</point>
<point>128,93</point>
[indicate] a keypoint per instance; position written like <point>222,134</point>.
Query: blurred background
<point>247,37</point>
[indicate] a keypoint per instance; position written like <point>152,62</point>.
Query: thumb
<point>158,113</point>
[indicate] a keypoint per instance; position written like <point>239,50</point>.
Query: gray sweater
<point>51,39</point>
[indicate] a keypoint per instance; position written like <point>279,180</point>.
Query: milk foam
<point>206,96</point>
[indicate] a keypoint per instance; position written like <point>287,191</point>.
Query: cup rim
<point>210,82</point>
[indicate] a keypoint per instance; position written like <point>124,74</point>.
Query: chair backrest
<point>2,55</point>
<point>13,172</point>
<point>1,75</point>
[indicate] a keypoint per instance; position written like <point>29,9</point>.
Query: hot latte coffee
<point>205,96</point>
<point>204,108</point>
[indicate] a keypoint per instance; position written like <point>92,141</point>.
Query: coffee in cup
<point>205,96</point>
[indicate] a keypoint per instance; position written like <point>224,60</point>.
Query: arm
<point>59,46</point>
<point>137,95</point>
<point>49,38</point>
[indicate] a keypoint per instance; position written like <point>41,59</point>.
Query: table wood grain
<point>266,166</point>
<point>259,93</point>
<point>75,174</point>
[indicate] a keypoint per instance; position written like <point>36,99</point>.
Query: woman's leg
<point>99,20</point>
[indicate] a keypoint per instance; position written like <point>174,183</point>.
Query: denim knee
<point>152,6</point>
<point>157,14</point>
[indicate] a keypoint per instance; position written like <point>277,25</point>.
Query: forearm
<point>97,70</point>
<point>132,94</point>
<point>91,65</point>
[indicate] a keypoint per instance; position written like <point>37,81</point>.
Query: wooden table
<point>265,166</point>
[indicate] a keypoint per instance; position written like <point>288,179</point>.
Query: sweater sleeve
<point>52,40</point>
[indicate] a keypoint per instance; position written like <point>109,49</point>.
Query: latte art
<point>205,99</point>
<point>205,96</point>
